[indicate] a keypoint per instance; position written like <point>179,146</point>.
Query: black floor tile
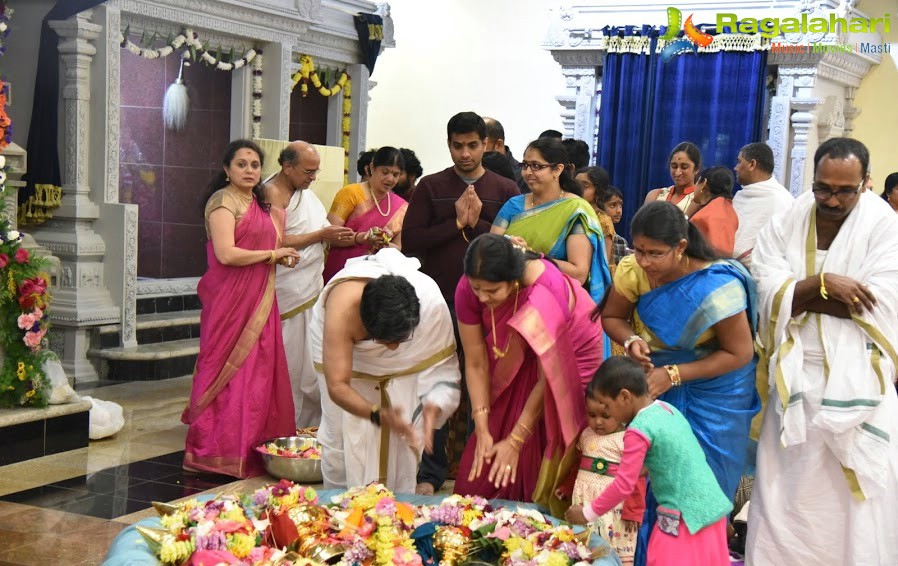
<point>143,469</point>
<point>46,496</point>
<point>173,459</point>
<point>99,483</point>
<point>104,506</point>
<point>154,491</point>
<point>196,481</point>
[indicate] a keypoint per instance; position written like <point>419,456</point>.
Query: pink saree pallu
<point>565,347</point>
<point>241,387</point>
<point>365,217</point>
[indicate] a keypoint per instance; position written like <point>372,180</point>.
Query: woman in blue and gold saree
<point>690,318</point>
<point>553,220</point>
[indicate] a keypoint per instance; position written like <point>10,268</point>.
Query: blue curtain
<point>715,100</point>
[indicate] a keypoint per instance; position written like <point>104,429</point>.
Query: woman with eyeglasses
<point>685,163</point>
<point>693,322</point>
<point>530,350</point>
<point>552,218</point>
<point>371,209</point>
<point>716,218</point>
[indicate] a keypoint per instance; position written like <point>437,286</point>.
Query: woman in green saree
<point>552,219</point>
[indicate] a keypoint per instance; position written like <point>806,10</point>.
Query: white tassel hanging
<point>176,103</point>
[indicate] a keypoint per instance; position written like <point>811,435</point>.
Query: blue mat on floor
<point>129,549</point>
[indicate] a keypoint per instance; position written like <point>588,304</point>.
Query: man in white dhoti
<point>761,197</point>
<point>827,473</point>
<point>308,231</point>
<point>383,343</point>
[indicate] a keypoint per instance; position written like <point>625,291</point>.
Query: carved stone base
<point>73,354</point>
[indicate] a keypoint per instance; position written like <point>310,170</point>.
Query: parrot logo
<point>694,37</point>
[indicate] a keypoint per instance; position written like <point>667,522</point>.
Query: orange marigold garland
<point>306,74</point>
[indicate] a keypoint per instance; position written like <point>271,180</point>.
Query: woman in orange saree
<point>530,350</point>
<point>241,387</point>
<point>371,209</point>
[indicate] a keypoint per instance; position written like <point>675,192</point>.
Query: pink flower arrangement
<point>33,339</point>
<point>4,260</point>
<point>21,256</point>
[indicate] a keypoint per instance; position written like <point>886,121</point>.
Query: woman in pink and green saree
<point>241,387</point>
<point>530,350</point>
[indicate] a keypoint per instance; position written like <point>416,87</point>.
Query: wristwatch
<point>375,415</point>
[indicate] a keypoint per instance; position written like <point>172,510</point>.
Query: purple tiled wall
<point>308,116</point>
<point>165,172</point>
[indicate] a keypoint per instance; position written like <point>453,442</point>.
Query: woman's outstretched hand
<point>483,455</point>
<point>505,464</point>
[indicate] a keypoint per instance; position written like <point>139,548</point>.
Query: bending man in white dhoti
<point>761,198</point>
<point>383,343</point>
<point>297,289</point>
<point>827,474</point>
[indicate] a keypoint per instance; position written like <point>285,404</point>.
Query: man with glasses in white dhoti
<point>383,344</point>
<point>298,285</point>
<point>827,473</point>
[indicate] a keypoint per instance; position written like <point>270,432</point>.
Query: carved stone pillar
<point>803,121</point>
<point>81,301</point>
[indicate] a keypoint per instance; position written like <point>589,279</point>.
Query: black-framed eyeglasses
<point>652,255</point>
<point>535,165</point>
<point>825,193</point>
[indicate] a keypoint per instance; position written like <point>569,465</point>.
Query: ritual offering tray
<point>295,458</point>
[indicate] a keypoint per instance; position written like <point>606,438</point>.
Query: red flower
<point>21,255</point>
<point>4,260</point>
<point>27,302</point>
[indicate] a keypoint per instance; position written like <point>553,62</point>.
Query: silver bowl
<point>300,470</point>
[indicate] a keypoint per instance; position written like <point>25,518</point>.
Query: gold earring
<point>227,178</point>
<point>680,257</point>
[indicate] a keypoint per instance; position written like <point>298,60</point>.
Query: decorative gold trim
<point>300,309</point>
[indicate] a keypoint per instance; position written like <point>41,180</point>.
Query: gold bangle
<point>673,372</point>
<point>459,225</point>
<point>823,292</point>
<point>516,438</point>
<point>525,427</point>
<point>270,259</point>
<point>478,410</point>
<point>511,440</point>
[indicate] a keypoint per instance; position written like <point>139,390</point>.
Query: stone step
<point>144,362</point>
<point>32,433</point>
<point>155,327</point>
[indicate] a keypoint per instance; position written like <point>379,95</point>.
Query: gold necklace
<point>533,199</point>
<point>244,198</point>
<point>376,204</point>
<point>497,353</point>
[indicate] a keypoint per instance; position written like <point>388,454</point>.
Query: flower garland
<point>197,50</point>
<point>5,14</point>
<point>257,96</point>
<point>307,73</point>
<point>24,299</point>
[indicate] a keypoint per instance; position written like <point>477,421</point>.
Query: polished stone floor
<point>66,508</point>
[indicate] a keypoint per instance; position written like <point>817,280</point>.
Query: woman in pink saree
<point>241,387</point>
<point>530,351</point>
<point>371,209</point>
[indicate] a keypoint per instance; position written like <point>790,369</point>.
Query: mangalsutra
<point>376,204</point>
<point>497,353</point>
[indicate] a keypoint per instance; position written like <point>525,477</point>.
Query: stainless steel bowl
<point>300,470</point>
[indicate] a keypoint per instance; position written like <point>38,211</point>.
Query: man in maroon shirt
<point>447,210</point>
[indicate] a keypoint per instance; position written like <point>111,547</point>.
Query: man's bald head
<point>299,163</point>
<point>495,135</point>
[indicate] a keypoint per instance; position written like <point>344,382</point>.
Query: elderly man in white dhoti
<point>308,231</point>
<point>761,198</point>
<point>383,343</point>
<point>827,474</point>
